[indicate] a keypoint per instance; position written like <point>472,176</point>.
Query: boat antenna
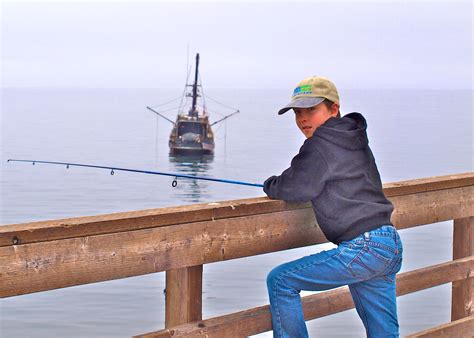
<point>193,111</point>
<point>114,169</point>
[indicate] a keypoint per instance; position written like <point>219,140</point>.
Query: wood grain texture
<point>462,328</point>
<point>428,184</point>
<point>136,220</point>
<point>463,291</point>
<point>48,265</point>
<point>431,207</point>
<point>183,295</point>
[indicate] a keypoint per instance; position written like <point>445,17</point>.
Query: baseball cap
<point>310,92</point>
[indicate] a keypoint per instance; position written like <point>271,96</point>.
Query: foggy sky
<point>259,45</point>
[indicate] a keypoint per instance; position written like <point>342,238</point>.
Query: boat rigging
<point>192,132</point>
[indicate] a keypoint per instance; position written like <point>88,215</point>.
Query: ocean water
<point>413,134</point>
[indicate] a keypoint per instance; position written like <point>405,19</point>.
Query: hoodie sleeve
<point>303,180</point>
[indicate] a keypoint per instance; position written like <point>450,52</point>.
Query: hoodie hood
<point>348,131</point>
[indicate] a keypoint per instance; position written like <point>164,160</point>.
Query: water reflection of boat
<point>190,190</point>
<point>192,132</point>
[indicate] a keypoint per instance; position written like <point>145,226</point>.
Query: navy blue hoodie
<point>335,170</point>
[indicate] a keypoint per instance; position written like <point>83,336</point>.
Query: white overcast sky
<point>258,44</point>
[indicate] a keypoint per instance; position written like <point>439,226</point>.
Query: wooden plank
<point>431,207</point>
<point>258,320</point>
<point>428,184</point>
<point>48,265</point>
<point>460,328</point>
<point>463,291</point>
<point>424,278</point>
<point>25,233</point>
<point>183,296</point>
<point>86,226</point>
<point>144,219</point>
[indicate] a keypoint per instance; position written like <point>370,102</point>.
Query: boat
<point>192,131</point>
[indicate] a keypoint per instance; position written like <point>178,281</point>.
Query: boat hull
<point>190,151</point>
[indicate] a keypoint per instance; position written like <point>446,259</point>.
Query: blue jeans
<point>367,263</point>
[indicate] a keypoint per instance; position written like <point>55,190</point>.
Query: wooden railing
<point>48,255</point>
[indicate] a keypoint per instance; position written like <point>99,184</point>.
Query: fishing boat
<point>192,131</point>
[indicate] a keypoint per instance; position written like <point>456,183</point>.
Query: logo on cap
<point>302,90</point>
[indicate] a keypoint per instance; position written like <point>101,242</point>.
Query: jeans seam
<point>383,246</point>
<point>364,265</point>
<point>356,256</point>
<point>364,316</point>
<point>389,264</point>
<point>397,259</point>
<point>382,234</point>
<point>381,258</point>
<point>276,307</point>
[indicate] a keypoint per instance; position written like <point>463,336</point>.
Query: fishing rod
<point>113,169</point>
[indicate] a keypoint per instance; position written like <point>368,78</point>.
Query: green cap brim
<point>301,102</point>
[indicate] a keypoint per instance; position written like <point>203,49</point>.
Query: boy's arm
<point>302,181</point>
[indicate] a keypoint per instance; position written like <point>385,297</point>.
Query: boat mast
<point>193,111</point>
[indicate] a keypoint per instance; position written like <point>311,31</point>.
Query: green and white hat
<point>310,92</point>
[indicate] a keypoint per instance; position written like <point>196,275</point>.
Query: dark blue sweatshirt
<point>335,170</point>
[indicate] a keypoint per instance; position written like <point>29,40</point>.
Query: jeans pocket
<point>382,251</point>
<point>368,264</point>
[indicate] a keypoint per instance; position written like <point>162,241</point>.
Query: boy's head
<point>314,101</point>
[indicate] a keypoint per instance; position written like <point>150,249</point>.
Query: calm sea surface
<point>413,134</point>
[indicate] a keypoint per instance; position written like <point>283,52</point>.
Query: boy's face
<point>309,119</point>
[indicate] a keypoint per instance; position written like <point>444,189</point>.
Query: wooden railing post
<point>183,295</point>
<point>463,290</point>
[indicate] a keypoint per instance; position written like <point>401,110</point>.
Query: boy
<point>336,171</point>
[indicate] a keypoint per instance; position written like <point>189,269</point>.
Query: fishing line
<point>114,169</point>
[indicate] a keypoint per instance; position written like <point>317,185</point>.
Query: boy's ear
<point>334,109</point>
